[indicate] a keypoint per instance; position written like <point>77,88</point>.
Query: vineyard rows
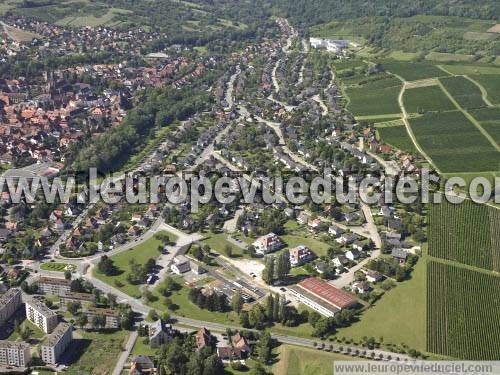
<point>467,233</point>
<point>463,313</point>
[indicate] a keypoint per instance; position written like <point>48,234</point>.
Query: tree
<point>265,347</point>
<point>98,321</point>
<point>237,302</point>
<point>82,320</point>
<point>244,319</point>
<point>67,275</point>
<point>283,266</point>
<point>106,266</point>
<point>73,307</point>
<point>268,272</point>
<point>228,250</point>
<point>213,365</point>
<point>153,315</point>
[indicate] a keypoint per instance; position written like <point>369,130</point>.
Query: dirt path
<point>407,123</point>
<point>471,119</point>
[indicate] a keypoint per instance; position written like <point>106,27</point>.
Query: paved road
<point>122,360</point>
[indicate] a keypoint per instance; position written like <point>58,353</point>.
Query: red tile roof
<point>328,293</point>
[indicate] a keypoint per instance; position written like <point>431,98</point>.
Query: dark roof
<point>399,253</point>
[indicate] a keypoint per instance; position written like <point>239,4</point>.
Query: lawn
<point>37,333</point>
<point>317,247</point>
<point>454,143</point>
<point>398,317</point>
<point>218,242</point>
<point>96,352</point>
<point>493,129</point>
<point>426,99</point>
<point>412,71</point>
<point>141,253</point>
<point>188,309</point>
<point>294,360</point>
<point>140,348</point>
<point>398,137</point>
<point>465,92</point>
<point>56,267</point>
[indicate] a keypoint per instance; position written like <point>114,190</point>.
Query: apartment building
<point>56,343</point>
<point>53,285</point>
<point>41,316</point>
<point>9,303</point>
<point>83,298</point>
<point>14,353</point>
<point>112,316</point>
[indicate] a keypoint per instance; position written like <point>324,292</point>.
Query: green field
<point>472,69</point>
<point>463,312</point>
<point>56,267</point>
<point>141,253</point>
<point>493,129</point>
<point>317,247</point>
<point>294,360</point>
<point>467,233</point>
<point>218,242</point>
<point>398,317</point>
<point>449,57</point>
<point>426,99</point>
<point>454,143</point>
<point>491,83</point>
<point>97,352</point>
<point>375,97</point>
<point>413,71</point>
<point>466,93</point>
<point>486,114</point>
<point>398,137</point>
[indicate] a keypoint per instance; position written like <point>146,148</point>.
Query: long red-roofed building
<point>323,297</point>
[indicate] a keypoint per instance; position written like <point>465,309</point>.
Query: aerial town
<point>233,287</point>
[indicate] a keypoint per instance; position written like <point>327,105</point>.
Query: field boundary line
<point>470,118</point>
<point>457,264</point>
<point>409,129</point>
<point>484,93</point>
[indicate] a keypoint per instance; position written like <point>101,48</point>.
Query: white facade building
<point>9,303</point>
<point>41,316</point>
<point>14,353</point>
<point>56,343</point>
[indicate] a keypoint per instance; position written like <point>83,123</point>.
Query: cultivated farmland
<point>426,99</point>
<point>412,71</point>
<point>375,97</point>
<point>466,93</point>
<point>454,143</point>
<point>398,137</point>
<point>463,311</point>
<point>491,83</point>
<point>467,233</point>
